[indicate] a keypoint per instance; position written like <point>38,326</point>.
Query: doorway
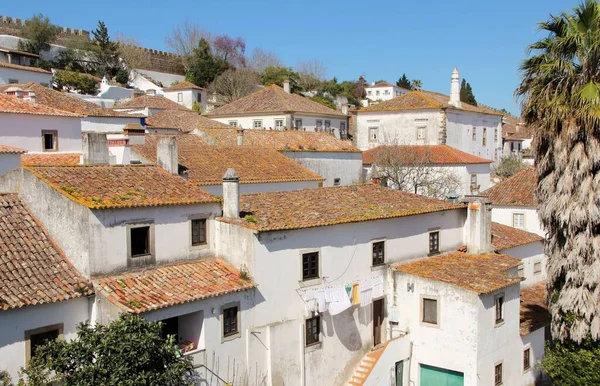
<point>377,321</point>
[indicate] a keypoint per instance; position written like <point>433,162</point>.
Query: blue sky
<point>486,39</point>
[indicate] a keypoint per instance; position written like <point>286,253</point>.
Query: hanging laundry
<point>366,284</point>
<point>377,287</point>
<point>340,301</point>
<point>348,288</point>
<point>355,294</point>
<point>320,295</point>
<point>366,297</point>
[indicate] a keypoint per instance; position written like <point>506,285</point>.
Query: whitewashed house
<point>461,172</point>
<point>11,71</point>
<point>429,118</point>
<point>384,91</point>
<point>276,108</point>
<point>182,121</point>
<point>10,158</point>
<point>335,159</point>
<point>148,105</point>
<point>186,94</point>
<point>514,202</point>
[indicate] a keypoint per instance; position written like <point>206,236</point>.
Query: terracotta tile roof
<point>152,102</point>
<point>105,187</point>
<point>24,68</point>
<point>382,84</point>
<point>424,100</point>
<point>169,285</point>
<point>11,104</point>
<point>272,99</point>
<point>185,85</point>
<point>482,274</point>
<point>518,190</point>
<point>5,149</point>
<point>534,308</point>
<point>51,159</point>
<point>286,140</point>
<point>318,207</point>
<point>505,237</point>
<point>423,155</point>
<point>207,164</point>
<point>66,102</point>
<point>514,129</point>
<point>183,120</point>
<point>33,269</point>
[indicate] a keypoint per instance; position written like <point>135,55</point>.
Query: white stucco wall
<point>536,342</point>
<point>263,187</point>
<point>188,98</point>
<point>529,255</point>
<point>331,165</point>
<point>165,78</point>
<point>9,162</point>
<point>459,130</point>
<point>14,323</point>
<point>106,124</point>
<point>25,131</point>
<point>24,76</point>
<point>504,215</point>
<point>385,93</point>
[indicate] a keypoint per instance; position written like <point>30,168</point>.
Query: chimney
<point>231,194</point>
<point>455,89</point>
<point>240,137</point>
<point>286,86</point>
<point>345,109</point>
<point>29,96</point>
<point>95,149</point>
<point>167,155</point>
<point>478,227</point>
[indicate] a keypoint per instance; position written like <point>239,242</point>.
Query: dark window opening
<point>310,265</point>
<point>37,340</point>
<point>527,359</point>
<point>140,241</point>
<point>199,232</point>
<point>434,242</point>
<point>378,253</point>
<point>313,329</point>
<point>499,309</point>
<point>230,321</point>
<point>170,327</point>
<point>49,141</point>
<point>498,375</point>
<point>336,182</point>
<point>430,311</point>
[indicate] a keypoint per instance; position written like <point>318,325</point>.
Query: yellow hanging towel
<point>355,294</point>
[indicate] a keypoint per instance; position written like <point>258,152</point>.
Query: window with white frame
<point>474,134</point>
<point>429,311</point>
<point>484,139</point>
<point>527,359</point>
<point>327,126</point>
<point>257,124</point>
<point>298,123</point>
<point>373,132</point>
<point>49,140</point>
<point>498,374</point>
<point>473,181</point>
<point>537,267</point>
<point>233,123</point>
<point>387,92</point>
<point>421,132</point>
<point>495,135</point>
<point>377,93</point>
<point>518,220</point>
<point>499,309</point>
<point>279,124</point>
<point>179,97</point>
<point>319,125</point>
<point>369,92</point>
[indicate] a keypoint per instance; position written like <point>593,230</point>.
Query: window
<point>39,336</point>
<point>313,330</point>
<point>199,231</point>
<point>373,134</point>
<point>499,308</point>
<point>233,123</point>
<point>327,126</point>
<point>257,124</point>
<point>378,253</point>
<point>279,124</point>
<point>140,241</point>
<point>49,140</point>
<point>473,181</point>
<point>170,327</point>
<point>387,92</point>
<point>429,312</point>
<point>310,265</point>
<point>319,125</point>
<point>179,97</point>
<point>527,359</point>
<point>199,97</point>
<point>13,81</point>
<point>230,321</point>
<point>519,220</point>
<point>336,182</point>
<point>343,134</point>
<point>521,271</point>
<point>495,135</point>
<point>474,134</point>
<point>498,374</point>
<point>537,267</point>
<point>369,92</point>
<point>377,92</point>
<point>298,123</point>
<point>484,139</point>
<point>421,132</point>
<point>434,242</point>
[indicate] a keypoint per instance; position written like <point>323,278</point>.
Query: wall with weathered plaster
<point>504,215</point>
<point>529,255</point>
<point>459,131</point>
<point>217,190</point>
<point>536,342</point>
<point>24,76</point>
<point>8,162</point>
<point>331,165</point>
<point>384,371</point>
<point>235,244</point>
<point>107,124</point>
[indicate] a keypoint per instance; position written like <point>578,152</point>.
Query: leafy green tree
<point>122,76</point>
<point>77,81</point>
<point>466,93</point>
<point>203,66</point>
<point>324,101</point>
<point>508,166</point>
<point>570,364</point>
<point>404,82</point>
<point>129,351</point>
<point>277,75</point>
<point>38,34</point>
<point>107,51</point>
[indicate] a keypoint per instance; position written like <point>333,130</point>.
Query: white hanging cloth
<point>339,300</point>
<point>377,287</point>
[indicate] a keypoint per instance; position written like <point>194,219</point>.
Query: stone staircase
<point>367,363</point>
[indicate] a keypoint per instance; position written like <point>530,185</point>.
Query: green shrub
<point>569,364</point>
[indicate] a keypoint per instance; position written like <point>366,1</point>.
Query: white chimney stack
<point>231,194</point>
<point>240,137</point>
<point>286,86</point>
<point>455,89</point>
<point>167,154</point>
<point>95,149</point>
<point>478,227</point>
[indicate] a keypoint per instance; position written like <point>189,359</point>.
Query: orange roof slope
<point>318,207</point>
<point>152,102</point>
<point>207,164</point>
<point>505,237</point>
<point>51,159</point>
<point>11,104</point>
<point>482,274</point>
<point>534,308</point>
<point>5,149</point>
<point>272,99</point>
<point>286,140</point>
<point>66,102</point>
<point>33,270</point>
<point>426,100</point>
<point>518,190</point>
<point>24,68</point>
<point>105,187</point>
<point>183,120</point>
<point>169,285</point>
<point>423,155</point>
<point>185,85</point>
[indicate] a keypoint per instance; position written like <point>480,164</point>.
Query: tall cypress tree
<point>466,93</point>
<point>107,51</point>
<point>404,82</point>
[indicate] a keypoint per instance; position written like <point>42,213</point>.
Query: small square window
<point>140,241</point>
<point>180,97</point>
<point>38,337</point>
<point>537,267</point>
<point>434,242</point>
<point>310,265</point>
<point>298,124</point>
<point>373,134</point>
<point>230,321</point>
<point>369,92</point>
<point>429,311</point>
<point>526,359</point>
<point>319,125</point>
<point>499,309</point>
<point>257,124</point>
<point>13,81</point>
<point>336,182</point>
<point>313,330</point>
<point>279,124</point>
<point>519,220</point>
<point>421,132</point>
<point>378,253</point>
<point>49,140</point>
<point>498,374</point>
<point>199,231</point>
<point>233,123</point>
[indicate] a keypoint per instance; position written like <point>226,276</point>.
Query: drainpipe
<point>302,354</point>
<point>410,363</point>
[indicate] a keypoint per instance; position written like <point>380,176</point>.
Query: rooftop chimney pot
<point>167,154</point>
<point>240,137</point>
<point>286,86</point>
<point>231,194</point>
<point>95,149</point>
<point>455,89</point>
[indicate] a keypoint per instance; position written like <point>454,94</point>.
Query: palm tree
<point>560,92</point>
<point>417,84</point>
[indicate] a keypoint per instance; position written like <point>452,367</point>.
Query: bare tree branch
<point>311,74</point>
<point>234,84</point>
<point>262,59</point>
<point>184,38</point>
